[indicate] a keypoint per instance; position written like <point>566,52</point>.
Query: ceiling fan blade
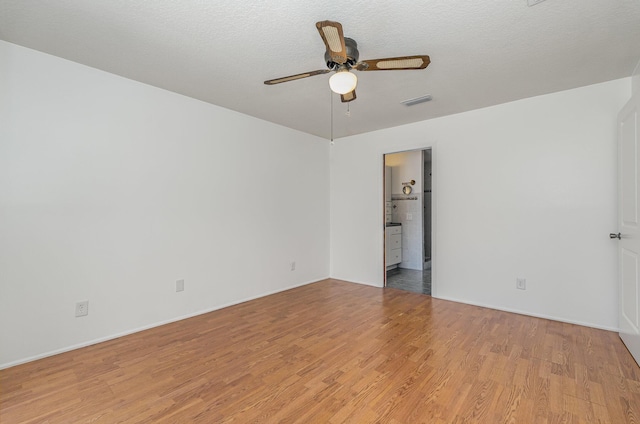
<point>331,33</point>
<point>296,77</point>
<point>394,63</point>
<point>350,96</point>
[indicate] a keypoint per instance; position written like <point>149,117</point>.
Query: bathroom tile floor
<point>410,280</point>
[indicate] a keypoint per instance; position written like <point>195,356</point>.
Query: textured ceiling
<point>482,52</point>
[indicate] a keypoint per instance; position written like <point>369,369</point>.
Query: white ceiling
<point>482,52</point>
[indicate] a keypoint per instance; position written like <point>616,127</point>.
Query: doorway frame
<point>434,205</point>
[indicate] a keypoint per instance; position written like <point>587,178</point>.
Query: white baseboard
<point>511,310</point>
<point>157,324</point>
<point>364,283</point>
<point>146,327</point>
<point>528,313</point>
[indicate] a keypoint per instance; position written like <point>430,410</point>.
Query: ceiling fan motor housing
<point>352,55</point>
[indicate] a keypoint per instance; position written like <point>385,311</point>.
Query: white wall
<point>525,189</point>
<point>111,190</point>
<point>406,166</point>
<point>635,85</point>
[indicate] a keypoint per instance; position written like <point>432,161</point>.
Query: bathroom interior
<point>408,200</point>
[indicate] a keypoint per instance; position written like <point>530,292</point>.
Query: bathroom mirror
<point>406,189</point>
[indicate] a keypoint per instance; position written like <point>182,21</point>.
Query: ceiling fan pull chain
<point>331,101</point>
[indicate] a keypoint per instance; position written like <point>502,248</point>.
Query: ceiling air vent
<point>417,100</point>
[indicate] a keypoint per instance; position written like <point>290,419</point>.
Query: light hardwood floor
<point>334,352</point>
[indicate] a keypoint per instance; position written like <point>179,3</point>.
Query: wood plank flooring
<point>336,352</point>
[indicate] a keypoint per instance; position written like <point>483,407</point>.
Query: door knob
<point>614,236</point>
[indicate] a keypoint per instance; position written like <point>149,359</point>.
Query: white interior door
<point>629,226</point>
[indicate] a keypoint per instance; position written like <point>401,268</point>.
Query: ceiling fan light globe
<point>343,82</point>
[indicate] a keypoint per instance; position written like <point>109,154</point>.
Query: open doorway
<point>408,220</point>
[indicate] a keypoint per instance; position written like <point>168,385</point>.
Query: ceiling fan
<point>342,57</point>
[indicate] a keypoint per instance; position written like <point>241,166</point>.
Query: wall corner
<point>635,80</point>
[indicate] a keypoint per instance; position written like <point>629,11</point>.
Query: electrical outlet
<point>293,265</point>
<point>409,217</point>
<point>521,283</point>
<point>179,285</point>
<point>82,308</point>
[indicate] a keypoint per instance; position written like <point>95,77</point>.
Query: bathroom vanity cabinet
<point>393,244</point>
